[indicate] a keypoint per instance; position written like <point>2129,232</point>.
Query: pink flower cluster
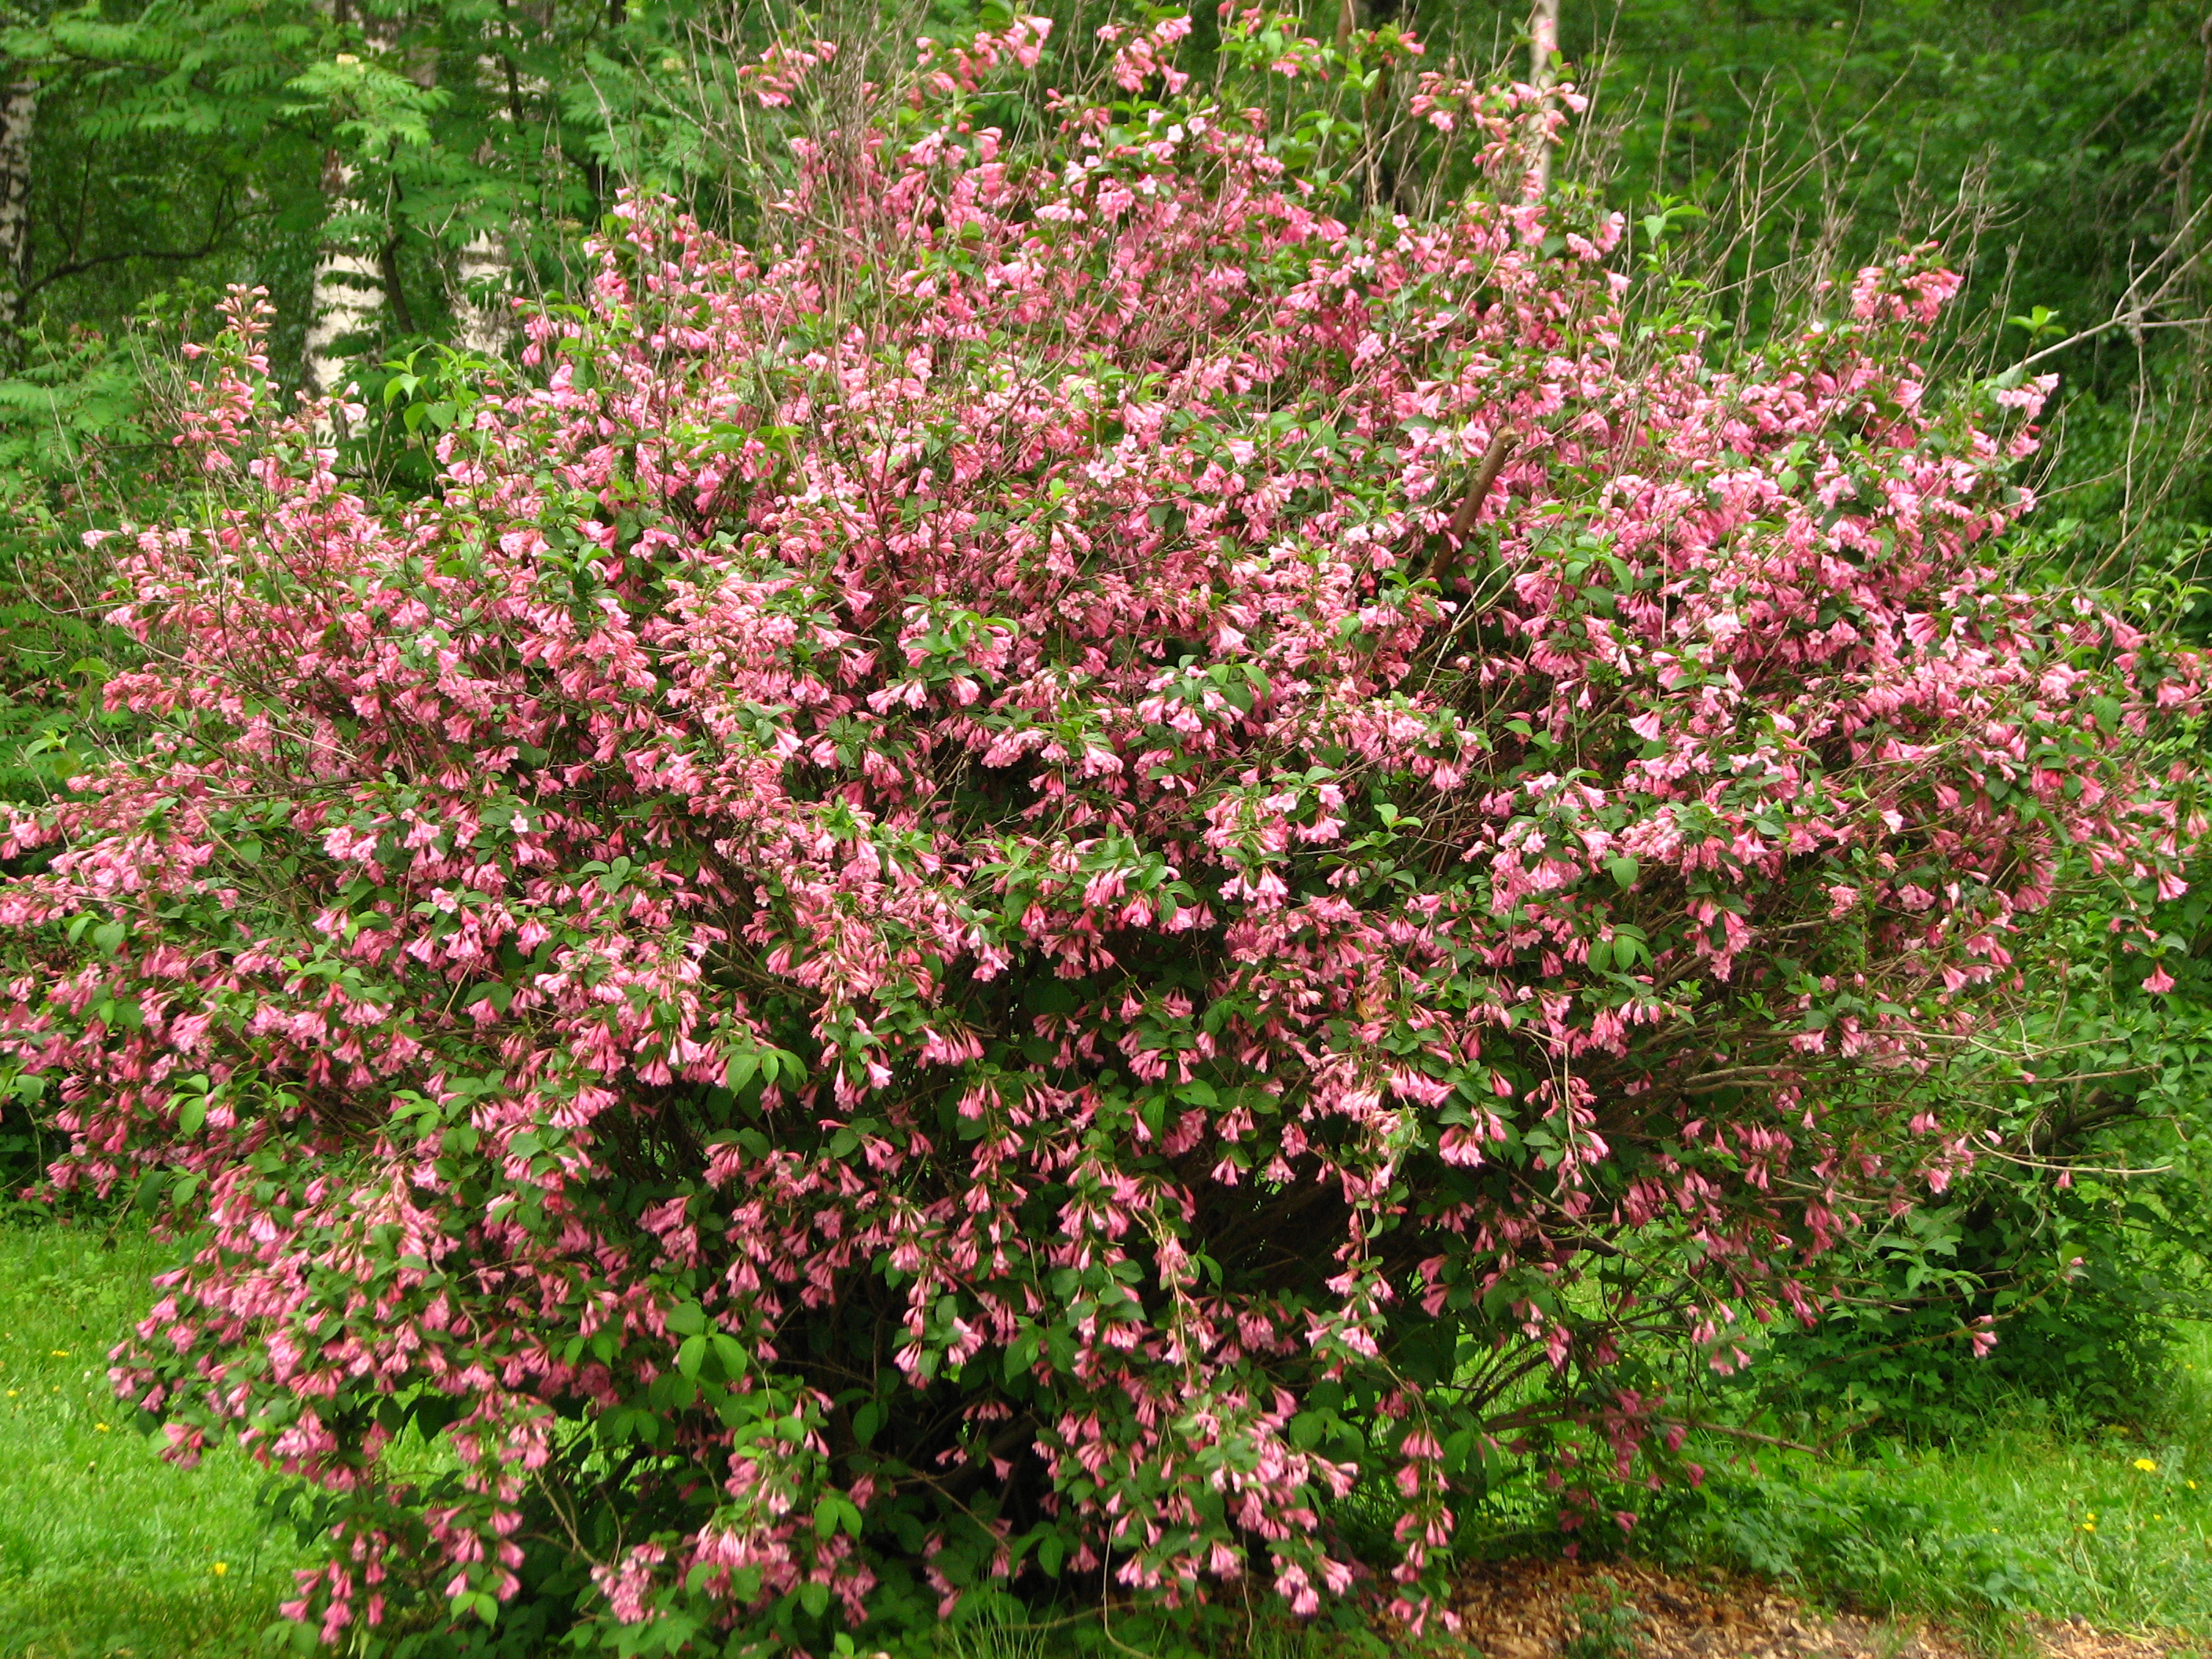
<point>1022,888</point>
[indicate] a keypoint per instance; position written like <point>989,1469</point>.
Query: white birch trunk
<point>19,113</point>
<point>349,292</point>
<point>484,277</point>
<point>1543,46</point>
<point>483,274</point>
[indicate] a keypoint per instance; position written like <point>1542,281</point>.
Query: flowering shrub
<point>1040,883</point>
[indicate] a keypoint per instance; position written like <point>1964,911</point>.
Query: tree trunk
<point>19,111</point>
<point>349,290</point>
<point>1543,46</point>
<point>483,276</point>
<point>482,273</point>
<point>348,283</point>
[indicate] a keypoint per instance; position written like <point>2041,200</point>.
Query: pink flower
<point>994,890</point>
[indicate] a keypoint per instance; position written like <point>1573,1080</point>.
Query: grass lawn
<point>2081,1527</point>
<point>105,1549</point>
<point>2112,1524</point>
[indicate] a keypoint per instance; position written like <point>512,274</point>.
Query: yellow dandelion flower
<point>2089,1526</point>
<point>2146,1466</point>
<point>102,1427</point>
<point>221,1568</point>
<point>59,1354</point>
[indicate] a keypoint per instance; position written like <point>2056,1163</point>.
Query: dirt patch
<point>1534,1609</point>
<point>2079,1641</point>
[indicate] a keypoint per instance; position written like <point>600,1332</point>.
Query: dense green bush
<point>1062,883</point>
<point>748,1455</point>
<point>2078,1244</point>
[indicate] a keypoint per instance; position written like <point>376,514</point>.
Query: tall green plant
<point>1037,884</point>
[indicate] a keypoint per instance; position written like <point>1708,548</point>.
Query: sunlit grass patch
<point>104,1547</point>
<point>2112,1524</point>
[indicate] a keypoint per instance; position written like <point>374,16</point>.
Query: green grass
<point>105,1549</point>
<point>2033,1515</point>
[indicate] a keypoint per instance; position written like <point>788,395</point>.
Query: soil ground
<point>1533,1610</point>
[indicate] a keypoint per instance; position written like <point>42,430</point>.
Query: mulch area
<point>1531,1609</point>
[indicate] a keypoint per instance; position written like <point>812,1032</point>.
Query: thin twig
<point>2071,1169</point>
<point>2135,324</point>
<point>1744,1434</point>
